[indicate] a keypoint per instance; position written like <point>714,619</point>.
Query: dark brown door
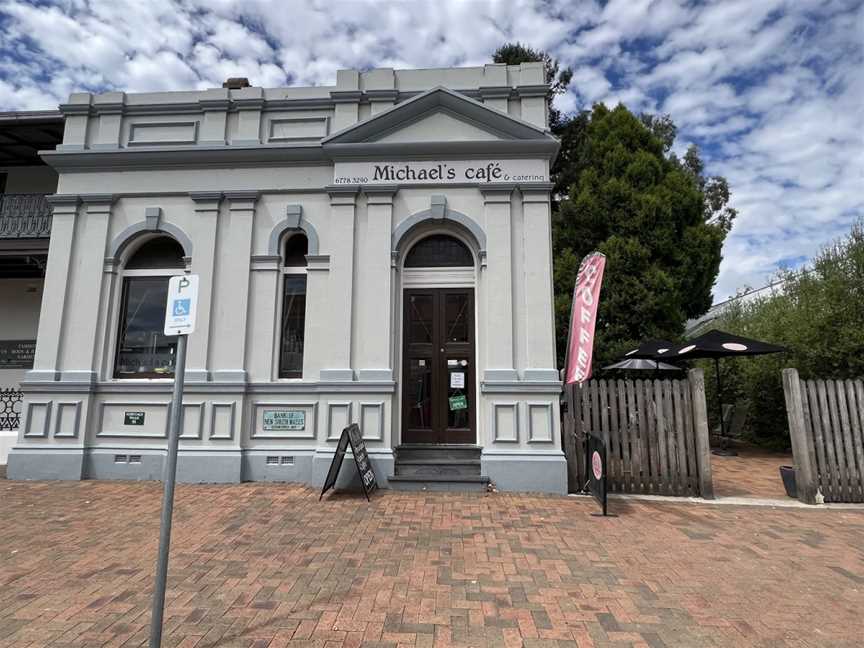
<point>438,404</point>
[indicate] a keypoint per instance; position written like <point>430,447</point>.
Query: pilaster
<point>46,360</point>
<point>203,264</point>
<point>249,102</point>
<point>375,318</point>
<point>340,293</point>
<point>78,352</point>
<point>539,297</point>
<point>109,109</point>
<point>498,282</point>
<point>215,105</point>
<point>346,98</point>
<point>229,312</point>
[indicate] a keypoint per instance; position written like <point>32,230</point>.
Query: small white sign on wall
<point>182,305</point>
<point>457,380</point>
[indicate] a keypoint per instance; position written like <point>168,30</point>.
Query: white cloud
<point>770,90</point>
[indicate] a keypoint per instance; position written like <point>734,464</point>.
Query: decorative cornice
<point>379,194</point>
<point>205,196</point>
<point>345,96</point>
<point>244,195</point>
<point>214,104</point>
<point>382,95</point>
<point>63,200</point>
<point>97,199</point>
<point>342,191</point>
<point>251,103</point>
<point>499,192</point>
<point>495,92</point>
<point>532,90</point>
<point>75,109</point>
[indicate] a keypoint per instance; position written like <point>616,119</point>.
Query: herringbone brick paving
<point>266,565</point>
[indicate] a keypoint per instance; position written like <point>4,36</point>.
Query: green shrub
<point>818,314</point>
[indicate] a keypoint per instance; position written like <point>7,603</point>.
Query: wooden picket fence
<point>656,433</point>
<point>826,425</point>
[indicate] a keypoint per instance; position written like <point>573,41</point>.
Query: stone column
<point>498,283</point>
<point>229,312</point>
<point>539,300</point>
<point>84,290</point>
<point>46,359</point>
<point>203,263</point>
<point>374,308</point>
<point>340,293</point>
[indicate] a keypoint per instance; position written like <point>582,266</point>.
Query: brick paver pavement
<point>265,565</point>
<point>752,473</point>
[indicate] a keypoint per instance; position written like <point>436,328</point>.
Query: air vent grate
<point>280,460</point>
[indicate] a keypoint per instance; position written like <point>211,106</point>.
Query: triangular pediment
<point>440,125</point>
<point>441,117</point>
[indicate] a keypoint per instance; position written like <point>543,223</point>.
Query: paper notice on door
<point>457,380</point>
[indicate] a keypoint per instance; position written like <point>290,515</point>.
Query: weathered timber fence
<point>826,425</point>
<point>656,433</point>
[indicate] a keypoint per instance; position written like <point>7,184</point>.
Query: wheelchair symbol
<point>181,307</point>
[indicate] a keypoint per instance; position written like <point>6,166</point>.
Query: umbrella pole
<point>723,449</point>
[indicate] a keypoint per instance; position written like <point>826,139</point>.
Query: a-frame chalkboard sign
<point>351,436</point>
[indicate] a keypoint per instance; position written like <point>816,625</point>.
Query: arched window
<point>143,350</point>
<point>293,306</point>
<point>439,251</point>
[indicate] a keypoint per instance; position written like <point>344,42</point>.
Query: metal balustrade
<point>24,216</point>
<point>10,408</point>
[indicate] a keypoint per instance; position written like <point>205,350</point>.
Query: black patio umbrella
<point>650,349</point>
<point>647,351</point>
<point>641,364</point>
<point>719,344</point>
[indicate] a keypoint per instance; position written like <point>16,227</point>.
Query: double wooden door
<point>438,400</point>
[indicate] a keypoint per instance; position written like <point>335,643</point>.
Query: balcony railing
<point>24,216</point>
<point>10,408</point>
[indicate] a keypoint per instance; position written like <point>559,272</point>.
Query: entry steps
<point>436,467</point>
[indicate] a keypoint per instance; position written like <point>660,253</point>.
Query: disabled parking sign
<point>182,304</point>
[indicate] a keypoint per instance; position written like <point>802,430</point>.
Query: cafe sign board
<point>440,172</point>
<point>284,420</point>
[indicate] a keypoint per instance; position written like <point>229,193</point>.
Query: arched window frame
<point>128,277</point>
<point>291,275</point>
<point>425,239</point>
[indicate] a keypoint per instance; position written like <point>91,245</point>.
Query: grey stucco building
<point>376,252</point>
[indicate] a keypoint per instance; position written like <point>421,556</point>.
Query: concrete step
<point>473,483</point>
<point>464,467</point>
<point>418,451</point>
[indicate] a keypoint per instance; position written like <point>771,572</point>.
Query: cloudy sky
<point>771,90</point>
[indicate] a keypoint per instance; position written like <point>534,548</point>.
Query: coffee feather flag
<point>583,318</point>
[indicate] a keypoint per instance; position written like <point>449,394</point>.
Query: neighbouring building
<point>376,252</point>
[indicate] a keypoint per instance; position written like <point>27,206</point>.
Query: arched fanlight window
<point>439,251</point>
<point>293,329</point>
<point>143,350</point>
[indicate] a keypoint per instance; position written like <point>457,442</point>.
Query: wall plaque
<point>133,418</point>
<point>283,420</point>
<point>17,354</point>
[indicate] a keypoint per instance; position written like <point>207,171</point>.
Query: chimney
<point>235,83</point>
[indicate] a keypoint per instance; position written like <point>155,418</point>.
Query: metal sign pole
<point>169,476</point>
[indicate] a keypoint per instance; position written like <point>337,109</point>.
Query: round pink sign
<point>597,465</point>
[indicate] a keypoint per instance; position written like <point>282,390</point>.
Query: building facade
<point>376,252</point>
